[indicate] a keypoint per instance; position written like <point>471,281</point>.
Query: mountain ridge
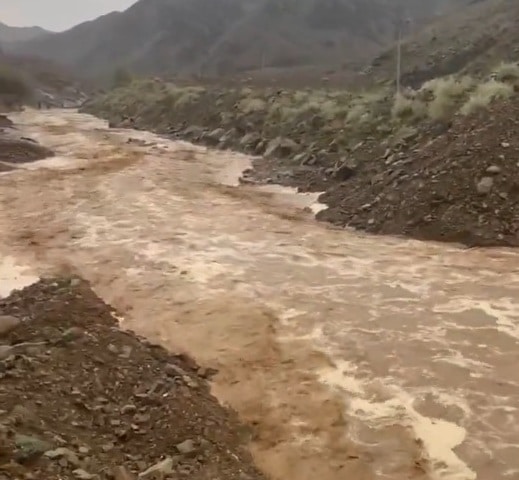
<point>226,36</point>
<point>9,34</point>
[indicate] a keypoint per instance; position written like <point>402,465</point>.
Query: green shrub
<point>406,108</point>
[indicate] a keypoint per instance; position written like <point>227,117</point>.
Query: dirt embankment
<point>445,180</point>
<point>82,399</point>
<point>16,149</point>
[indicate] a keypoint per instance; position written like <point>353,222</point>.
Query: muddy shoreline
<point>15,149</point>
<point>453,183</point>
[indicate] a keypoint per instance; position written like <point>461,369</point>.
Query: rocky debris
<point>461,186</point>
<point>22,151</point>
<point>281,148</point>
<point>81,399</point>
<point>16,149</point>
<point>484,186</point>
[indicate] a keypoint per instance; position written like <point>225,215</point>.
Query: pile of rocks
<point>81,399</point>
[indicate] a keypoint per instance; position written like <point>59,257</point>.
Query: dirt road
<point>353,357</point>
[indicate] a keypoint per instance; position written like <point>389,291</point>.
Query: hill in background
<point>215,37</point>
<point>472,40</point>
<point>20,34</point>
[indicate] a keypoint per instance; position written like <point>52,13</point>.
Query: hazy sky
<point>56,14</point>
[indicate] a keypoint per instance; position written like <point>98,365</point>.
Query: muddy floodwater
<point>353,356</point>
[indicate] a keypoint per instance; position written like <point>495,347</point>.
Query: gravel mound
<point>462,186</point>
<point>81,399</point>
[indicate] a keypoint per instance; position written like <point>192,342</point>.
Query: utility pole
<point>398,55</point>
<point>399,24</point>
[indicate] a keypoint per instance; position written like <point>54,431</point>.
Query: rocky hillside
<point>470,40</point>
<point>215,37</point>
<point>28,80</point>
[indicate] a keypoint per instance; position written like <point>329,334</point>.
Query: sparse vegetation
<point>319,114</point>
<point>447,94</point>
<point>485,93</point>
<point>507,72</point>
<point>407,108</point>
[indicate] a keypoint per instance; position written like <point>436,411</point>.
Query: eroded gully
<point>353,356</point>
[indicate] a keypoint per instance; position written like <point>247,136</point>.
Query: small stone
<point>84,450</point>
<point>165,467</point>
<point>493,169</point>
<point>126,352</point>
<point>189,382</point>
<point>113,349</point>
<point>505,144</point>
<point>174,371</point>
<point>73,333</point>
<point>30,447</point>
<point>186,447</point>
<point>128,409</point>
<point>83,475</point>
<point>281,147</point>
<point>65,453</point>
<point>75,282</point>
<point>108,447</point>
<point>142,418</point>
<point>484,186</point>
<point>7,324</point>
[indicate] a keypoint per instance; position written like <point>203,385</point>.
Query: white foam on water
<point>13,276</point>
<point>439,437</point>
<point>506,315</point>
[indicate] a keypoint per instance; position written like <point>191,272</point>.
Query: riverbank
<point>15,149</point>
<point>103,403</point>
<point>425,168</point>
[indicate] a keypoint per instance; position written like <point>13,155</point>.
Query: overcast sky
<point>56,14</point>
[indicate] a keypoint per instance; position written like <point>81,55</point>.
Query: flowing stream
<point>353,356</point>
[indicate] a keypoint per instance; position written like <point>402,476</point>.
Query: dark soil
<point>81,399</point>
<point>15,149</point>
<point>22,151</point>
<point>462,186</point>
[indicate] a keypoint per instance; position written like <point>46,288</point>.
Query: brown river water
<point>353,356</point>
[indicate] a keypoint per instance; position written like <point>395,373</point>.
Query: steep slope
<point>19,34</point>
<point>226,36</point>
<point>473,40</point>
